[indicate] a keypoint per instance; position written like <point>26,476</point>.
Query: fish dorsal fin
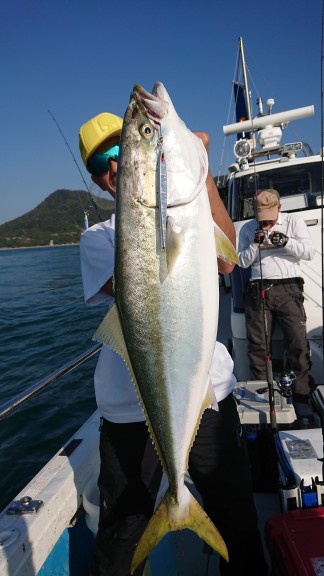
<point>110,332</point>
<point>224,247</point>
<point>174,243</point>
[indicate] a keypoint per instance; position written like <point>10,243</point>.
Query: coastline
<point>32,247</point>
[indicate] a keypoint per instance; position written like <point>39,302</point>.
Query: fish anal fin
<point>224,247</point>
<point>110,332</point>
<point>170,516</point>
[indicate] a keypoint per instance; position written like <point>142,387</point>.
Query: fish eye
<point>146,130</point>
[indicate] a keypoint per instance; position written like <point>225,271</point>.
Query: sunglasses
<point>98,164</point>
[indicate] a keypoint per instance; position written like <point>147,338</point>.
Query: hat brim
<point>93,151</point>
<point>268,213</point>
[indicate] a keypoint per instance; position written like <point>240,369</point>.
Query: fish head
<point>184,153</point>
<point>137,156</point>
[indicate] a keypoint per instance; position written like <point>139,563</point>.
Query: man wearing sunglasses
<point>130,471</point>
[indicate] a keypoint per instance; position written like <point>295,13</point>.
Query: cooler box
<point>296,542</point>
<point>303,450</point>
<point>300,468</point>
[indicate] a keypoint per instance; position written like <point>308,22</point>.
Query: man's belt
<point>269,282</point>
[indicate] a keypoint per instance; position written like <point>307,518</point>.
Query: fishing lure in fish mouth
<point>162,188</point>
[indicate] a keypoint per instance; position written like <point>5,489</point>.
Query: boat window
<point>299,188</point>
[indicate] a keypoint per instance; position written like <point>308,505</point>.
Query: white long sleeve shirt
<point>277,263</point>
<point>115,393</point>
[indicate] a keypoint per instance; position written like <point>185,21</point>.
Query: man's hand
<point>259,236</point>
<point>279,239</point>
<point>205,139</point>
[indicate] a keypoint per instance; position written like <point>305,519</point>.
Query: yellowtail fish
<point>164,321</point>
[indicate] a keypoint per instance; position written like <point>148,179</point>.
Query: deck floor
<point>183,553</point>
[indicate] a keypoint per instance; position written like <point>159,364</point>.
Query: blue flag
<point>240,105</point>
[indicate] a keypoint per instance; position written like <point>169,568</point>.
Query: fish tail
<point>170,516</point>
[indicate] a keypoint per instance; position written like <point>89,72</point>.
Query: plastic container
<point>296,543</point>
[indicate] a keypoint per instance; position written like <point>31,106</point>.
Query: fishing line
<point>267,337</point>
<point>79,170</point>
<point>45,309</point>
<point>314,396</point>
<point>222,162</point>
<point>322,167</point>
<point>268,361</point>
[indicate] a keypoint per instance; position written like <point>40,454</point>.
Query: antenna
<point>269,120</point>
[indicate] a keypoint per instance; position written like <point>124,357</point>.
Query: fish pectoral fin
<point>174,243</point>
<point>170,516</point>
<point>210,400</point>
<point>110,332</point>
<point>224,247</point>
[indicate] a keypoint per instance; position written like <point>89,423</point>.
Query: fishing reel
<point>285,383</point>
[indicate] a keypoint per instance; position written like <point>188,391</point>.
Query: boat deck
<point>184,554</point>
<point>59,534</point>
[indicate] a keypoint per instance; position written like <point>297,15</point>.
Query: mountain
<point>59,219</point>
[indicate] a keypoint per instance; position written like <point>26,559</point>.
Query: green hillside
<point>59,219</point>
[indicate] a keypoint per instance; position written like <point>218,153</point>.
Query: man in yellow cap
<point>273,244</point>
<point>130,471</point>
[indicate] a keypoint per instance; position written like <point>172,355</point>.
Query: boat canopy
<point>299,188</point>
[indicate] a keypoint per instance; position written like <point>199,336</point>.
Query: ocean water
<point>44,324</point>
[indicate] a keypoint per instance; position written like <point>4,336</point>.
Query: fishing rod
<point>20,399</point>
<point>285,381</point>
<point>322,167</point>
<point>80,172</point>
<point>268,360</point>
<point>316,398</point>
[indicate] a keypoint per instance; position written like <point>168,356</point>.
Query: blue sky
<point>79,58</point>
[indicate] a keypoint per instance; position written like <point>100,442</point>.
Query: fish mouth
<point>155,107</point>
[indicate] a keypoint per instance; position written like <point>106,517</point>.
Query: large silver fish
<point>164,322</point>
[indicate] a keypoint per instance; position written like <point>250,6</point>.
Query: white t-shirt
<point>115,393</point>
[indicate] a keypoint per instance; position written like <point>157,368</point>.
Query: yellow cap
<point>95,131</point>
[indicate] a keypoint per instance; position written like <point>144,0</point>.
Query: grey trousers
<point>283,303</point>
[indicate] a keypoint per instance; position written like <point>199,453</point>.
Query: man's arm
<point>222,219</point>
<point>218,210</point>
<point>299,243</point>
<point>248,250</point>
<point>97,263</point>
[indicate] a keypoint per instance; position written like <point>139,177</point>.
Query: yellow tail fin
<point>170,517</point>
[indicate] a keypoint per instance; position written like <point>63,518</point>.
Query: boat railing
<point>17,401</point>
